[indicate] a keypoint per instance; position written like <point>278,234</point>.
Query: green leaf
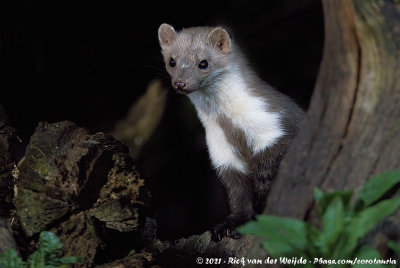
<point>37,260</point>
<point>323,200</point>
<point>318,195</point>
<point>50,243</point>
<point>371,216</point>
<point>367,219</point>
<point>47,254</point>
<point>132,252</point>
<point>285,237</point>
<point>10,259</point>
<point>368,253</point>
<point>313,237</point>
<point>69,260</point>
<point>333,223</point>
<point>394,246</point>
<point>255,227</point>
<point>278,248</point>
<point>45,257</point>
<point>375,188</point>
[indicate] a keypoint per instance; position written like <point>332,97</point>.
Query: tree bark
<point>351,133</point>
<point>353,127</point>
<point>85,189</point>
<point>7,241</point>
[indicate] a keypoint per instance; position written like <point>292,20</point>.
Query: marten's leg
<point>239,190</point>
<point>261,189</point>
<point>265,166</point>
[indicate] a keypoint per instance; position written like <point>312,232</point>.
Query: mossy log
<point>352,131</point>
<point>9,143</point>
<point>7,241</point>
<point>81,186</point>
<point>7,163</point>
<point>184,252</point>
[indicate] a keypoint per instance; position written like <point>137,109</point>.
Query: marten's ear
<point>166,35</point>
<point>220,38</point>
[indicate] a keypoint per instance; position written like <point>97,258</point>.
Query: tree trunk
<point>353,127</point>
<point>352,132</point>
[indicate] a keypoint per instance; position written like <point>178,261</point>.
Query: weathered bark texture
<point>142,119</point>
<point>353,126</point>
<point>82,187</point>
<point>352,131</point>
<point>9,143</point>
<point>7,138</point>
<point>184,252</point>
<point>7,241</point>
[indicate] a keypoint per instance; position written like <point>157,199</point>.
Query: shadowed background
<point>88,61</point>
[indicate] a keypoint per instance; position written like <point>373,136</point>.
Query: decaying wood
<point>185,251</point>
<point>8,138</point>
<point>142,119</point>
<point>82,187</point>
<point>7,241</point>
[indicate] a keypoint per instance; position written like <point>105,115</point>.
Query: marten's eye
<point>172,62</point>
<point>203,64</point>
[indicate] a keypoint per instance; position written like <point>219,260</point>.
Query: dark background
<point>88,61</point>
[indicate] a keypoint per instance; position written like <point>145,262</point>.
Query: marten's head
<point>195,57</point>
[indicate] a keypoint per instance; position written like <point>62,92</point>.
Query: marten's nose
<point>180,85</point>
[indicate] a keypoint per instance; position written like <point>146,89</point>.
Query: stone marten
<point>249,125</point>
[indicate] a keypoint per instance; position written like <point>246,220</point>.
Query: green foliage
<point>345,222</point>
<point>368,253</point>
<point>45,257</point>
<point>395,247</point>
<point>10,259</point>
<point>375,188</point>
<point>286,236</point>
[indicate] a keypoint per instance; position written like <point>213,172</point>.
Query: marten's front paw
<point>224,229</point>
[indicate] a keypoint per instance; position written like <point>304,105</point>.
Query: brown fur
<point>246,191</point>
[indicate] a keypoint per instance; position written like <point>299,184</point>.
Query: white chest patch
<point>248,113</point>
<point>222,153</point>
